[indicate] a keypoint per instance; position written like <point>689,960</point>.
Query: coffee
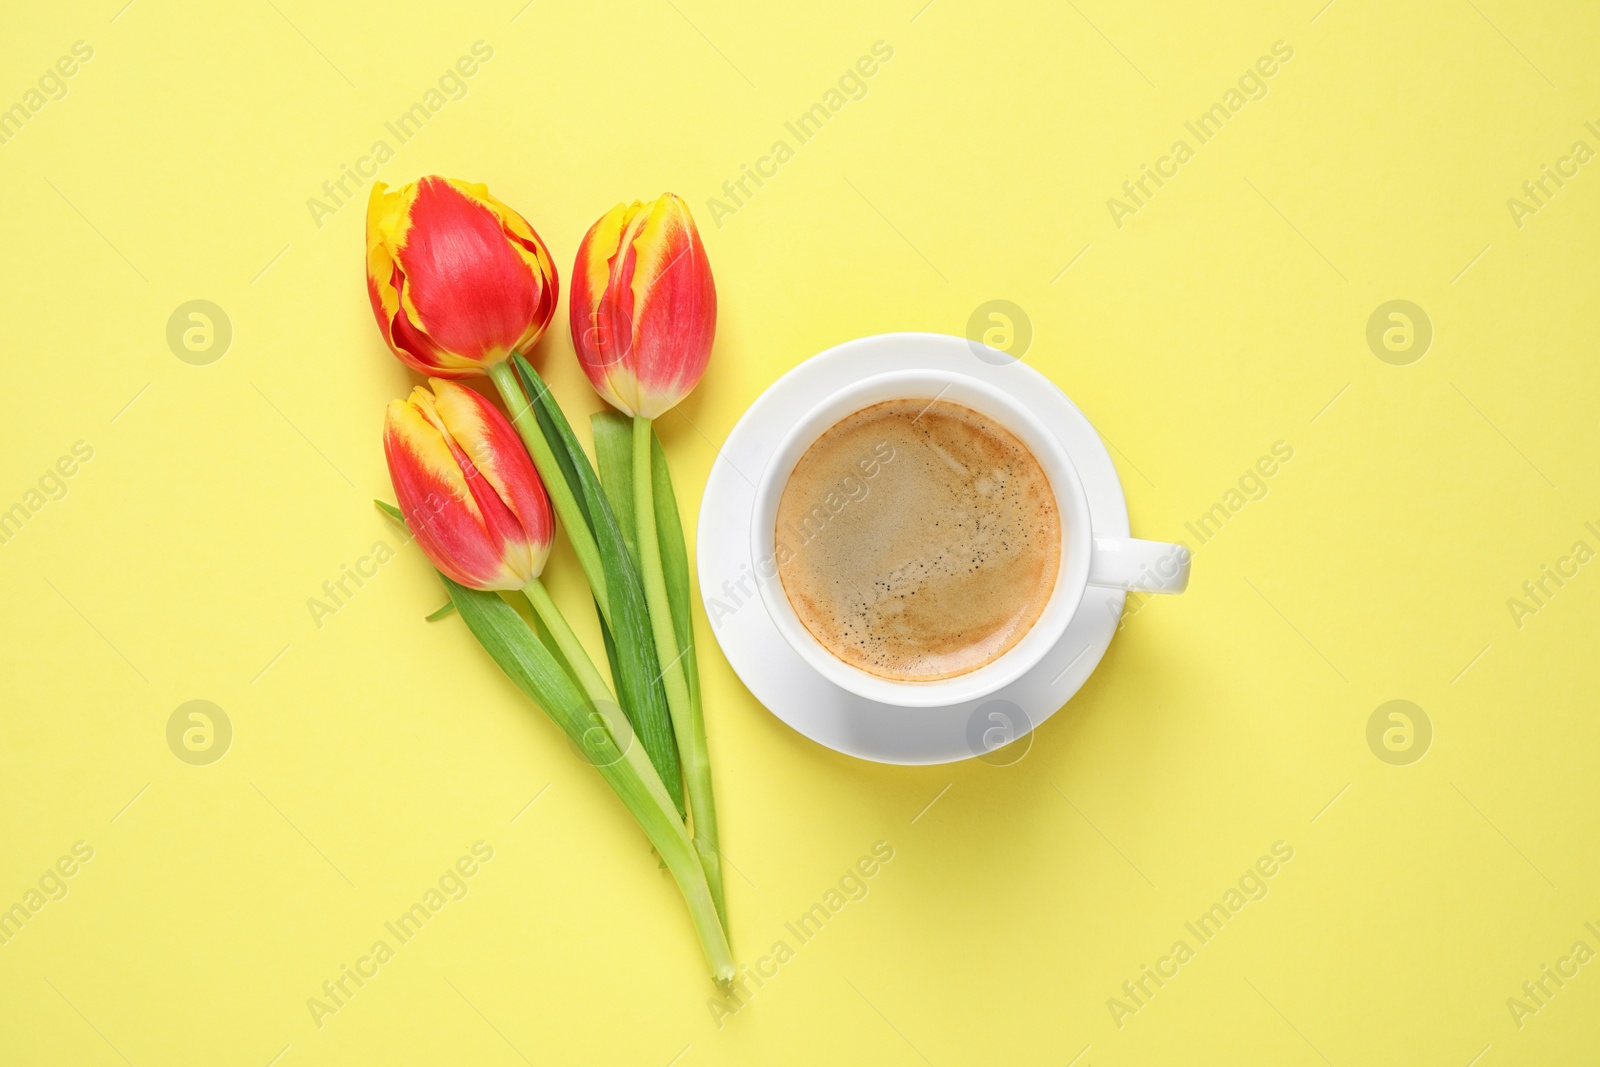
<point>918,540</point>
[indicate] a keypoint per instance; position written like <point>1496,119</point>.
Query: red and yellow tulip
<point>467,489</point>
<point>643,315</point>
<point>460,284</point>
<point>458,280</point>
<point>643,306</point>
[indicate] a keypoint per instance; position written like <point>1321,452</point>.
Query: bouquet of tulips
<point>463,287</point>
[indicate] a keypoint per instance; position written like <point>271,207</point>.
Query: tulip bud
<point>457,279</point>
<point>467,489</point>
<point>643,306</point>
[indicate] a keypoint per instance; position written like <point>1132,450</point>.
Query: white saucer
<point>781,680</point>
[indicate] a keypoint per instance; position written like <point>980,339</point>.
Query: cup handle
<point>1139,566</point>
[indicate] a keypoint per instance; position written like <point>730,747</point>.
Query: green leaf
<point>531,667</point>
<point>505,635</point>
<point>574,520</point>
<point>636,669</point>
<point>553,426</point>
<point>614,472</point>
<point>611,650</point>
<point>613,449</point>
<point>548,640</point>
<point>675,577</point>
<point>448,608</point>
<point>674,563</point>
<point>528,661</point>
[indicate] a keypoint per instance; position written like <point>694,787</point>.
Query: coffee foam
<point>918,540</point>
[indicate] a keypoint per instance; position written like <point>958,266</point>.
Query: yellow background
<point>1225,315</point>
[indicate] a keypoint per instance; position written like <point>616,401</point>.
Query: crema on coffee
<point>918,540</point>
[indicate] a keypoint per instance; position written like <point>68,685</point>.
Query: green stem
<point>659,818</point>
<point>555,482</point>
<point>666,832</point>
<point>534,669</point>
<point>583,667</point>
<point>603,704</point>
<point>688,725</point>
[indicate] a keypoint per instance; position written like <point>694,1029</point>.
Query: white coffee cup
<point>1086,559</point>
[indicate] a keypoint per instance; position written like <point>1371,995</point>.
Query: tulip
<point>473,500</point>
<point>459,283</point>
<point>643,307</point>
<point>643,313</point>
<point>458,280</point>
<point>466,487</point>
<point>475,503</point>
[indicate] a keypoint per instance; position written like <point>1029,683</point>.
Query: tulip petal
<point>674,307</point>
<point>463,286</point>
<point>439,505</point>
<point>500,526</point>
<point>386,218</point>
<point>496,452</point>
<point>521,239</point>
<point>457,279</point>
<point>602,242</point>
<point>601,333</point>
<point>643,310</point>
